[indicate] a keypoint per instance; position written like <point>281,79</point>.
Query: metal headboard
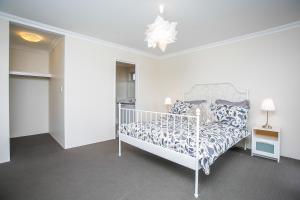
<point>214,91</point>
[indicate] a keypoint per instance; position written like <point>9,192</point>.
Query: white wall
<point>90,89</point>
<point>268,66</point>
<point>4,92</point>
<point>29,106</point>
<point>29,97</point>
<point>27,59</point>
<point>56,109</point>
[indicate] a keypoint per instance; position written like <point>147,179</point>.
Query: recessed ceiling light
<point>30,37</point>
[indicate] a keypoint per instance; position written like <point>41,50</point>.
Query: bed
<point>182,138</point>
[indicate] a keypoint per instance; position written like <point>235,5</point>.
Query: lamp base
<point>168,108</point>
<point>267,126</point>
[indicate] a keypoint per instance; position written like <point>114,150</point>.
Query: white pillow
<point>206,115</point>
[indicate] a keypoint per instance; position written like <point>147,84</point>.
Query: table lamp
<point>268,106</point>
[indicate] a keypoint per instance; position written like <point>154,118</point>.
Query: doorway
<point>36,82</point>
<point>125,87</point>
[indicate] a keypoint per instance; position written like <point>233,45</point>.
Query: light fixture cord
<point>161,9</point>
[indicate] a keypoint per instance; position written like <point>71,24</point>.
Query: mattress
<point>214,138</point>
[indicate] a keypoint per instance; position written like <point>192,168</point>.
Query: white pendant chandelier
<point>161,32</point>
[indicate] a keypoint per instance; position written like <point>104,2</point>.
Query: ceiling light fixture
<point>161,32</point>
<point>30,37</point>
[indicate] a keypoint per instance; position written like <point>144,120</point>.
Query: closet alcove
<point>36,61</point>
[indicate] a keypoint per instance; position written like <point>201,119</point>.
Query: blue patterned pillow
<point>236,116</point>
<point>180,107</point>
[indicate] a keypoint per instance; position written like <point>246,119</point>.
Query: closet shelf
<point>31,74</point>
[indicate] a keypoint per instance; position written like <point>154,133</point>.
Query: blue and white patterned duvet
<point>214,139</point>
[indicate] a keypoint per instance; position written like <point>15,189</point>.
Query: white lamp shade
<point>168,101</point>
<point>268,105</point>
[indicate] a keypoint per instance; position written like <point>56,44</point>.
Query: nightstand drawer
<point>265,147</point>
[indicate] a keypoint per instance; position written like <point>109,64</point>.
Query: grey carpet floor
<point>41,170</point>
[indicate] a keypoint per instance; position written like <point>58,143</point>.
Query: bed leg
<point>197,153</point>
<point>119,129</point>
<point>120,150</point>
<point>196,183</point>
<point>245,144</point>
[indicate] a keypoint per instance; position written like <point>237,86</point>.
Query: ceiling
<point>124,22</point>
<point>46,44</point>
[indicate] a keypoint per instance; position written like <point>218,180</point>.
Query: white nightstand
<point>266,142</point>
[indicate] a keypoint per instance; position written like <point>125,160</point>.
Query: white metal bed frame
<point>209,92</point>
